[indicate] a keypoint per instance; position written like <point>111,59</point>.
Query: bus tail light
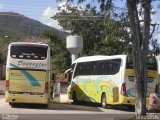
<point>154,100</point>
<point>123,89</point>
<point>7,85</point>
<point>46,87</point>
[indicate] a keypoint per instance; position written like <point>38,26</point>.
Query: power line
<point>81,19</point>
<point>94,16</point>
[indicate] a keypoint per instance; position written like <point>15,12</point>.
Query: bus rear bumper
<point>23,98</point>
<point>129,100</point>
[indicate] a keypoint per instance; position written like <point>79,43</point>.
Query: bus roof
<point>27,43</point>
<point>97,57</point>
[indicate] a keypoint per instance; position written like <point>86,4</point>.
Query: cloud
<point>45,19</point>
<point>157,36</point>
<point>1,7</point>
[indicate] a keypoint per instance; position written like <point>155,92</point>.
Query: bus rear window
<point>29,52</point>
<point>151,63</point>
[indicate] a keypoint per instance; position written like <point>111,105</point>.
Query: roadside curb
<point>62,98</point>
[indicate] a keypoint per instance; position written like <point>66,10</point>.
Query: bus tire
<point>103,101</point>
<point>45,105</point>
<point>13,105</point>
<point>74,98</point>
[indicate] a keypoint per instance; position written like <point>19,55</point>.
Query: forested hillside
<point>16,23</point>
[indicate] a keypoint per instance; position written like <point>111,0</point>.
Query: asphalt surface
<point>70,117</point>
<point>63,111</point>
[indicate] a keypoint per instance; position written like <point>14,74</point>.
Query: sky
<point>42,10</point>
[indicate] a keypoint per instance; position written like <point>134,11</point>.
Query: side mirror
<point>157,88</point>
<point>68,74</point>
<point>53,76</point>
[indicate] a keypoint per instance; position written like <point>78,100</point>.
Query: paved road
<point>59,111</point>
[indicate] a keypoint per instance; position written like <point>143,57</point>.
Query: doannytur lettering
<point>31,64</point>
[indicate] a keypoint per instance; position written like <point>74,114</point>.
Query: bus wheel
<point>103,101</point>
<point>74,98</point>
<point>13,105</point>
<point>45,105</point>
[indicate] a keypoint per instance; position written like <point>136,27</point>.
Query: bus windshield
<point>29,52</point>
<point>151,63</point>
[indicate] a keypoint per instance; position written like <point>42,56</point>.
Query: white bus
<point>28,73</point>
<point>107,80</point>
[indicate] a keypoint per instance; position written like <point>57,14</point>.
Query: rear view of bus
<point>28,73</point>
<point>128,88</point>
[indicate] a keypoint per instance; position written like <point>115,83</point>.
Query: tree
<point>59,54</point>
<point>155,47</point>
<point>140,40</point>
<point>3,50</point>
<point>140,36</point>
<point>101,33</point>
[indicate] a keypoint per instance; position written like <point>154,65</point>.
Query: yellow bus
<point>28,73</point>
<point>108,80</point>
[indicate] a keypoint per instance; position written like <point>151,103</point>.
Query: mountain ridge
<point>11,22</point>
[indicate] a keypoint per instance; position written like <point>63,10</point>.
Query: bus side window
<point>109,67</point>
<point>115,66</point>
<point>77,70</point>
